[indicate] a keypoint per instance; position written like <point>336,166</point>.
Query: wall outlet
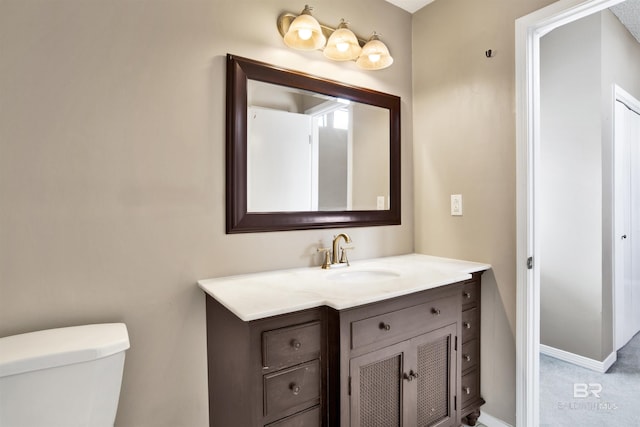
<point>380,203</point>
<point>456,204</point>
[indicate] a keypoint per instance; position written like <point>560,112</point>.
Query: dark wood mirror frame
<point>239,70</point>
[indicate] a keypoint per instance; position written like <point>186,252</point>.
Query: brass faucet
<point>336,248</point>
<point>337,255</point>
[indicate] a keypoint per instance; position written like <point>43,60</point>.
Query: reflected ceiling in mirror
<point>305,152</point>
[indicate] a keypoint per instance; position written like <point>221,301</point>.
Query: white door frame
<point>529,30</point>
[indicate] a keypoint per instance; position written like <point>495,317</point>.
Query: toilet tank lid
<point>63,346</point>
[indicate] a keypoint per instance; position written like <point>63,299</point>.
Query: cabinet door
<point>433,358</point>
<point>376,388</point>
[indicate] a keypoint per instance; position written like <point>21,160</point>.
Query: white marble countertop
<point>259,295</point>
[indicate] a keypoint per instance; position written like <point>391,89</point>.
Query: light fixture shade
<point>305,33</point>
<point>342,44</point>
<point>375,55</point>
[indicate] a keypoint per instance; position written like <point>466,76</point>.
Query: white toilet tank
<point>63,377</point>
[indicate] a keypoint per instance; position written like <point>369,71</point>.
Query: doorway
<point>529,30</point>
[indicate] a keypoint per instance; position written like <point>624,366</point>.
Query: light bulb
<point>374,57</point>
<point>304,33</point>
<point>342,46</point>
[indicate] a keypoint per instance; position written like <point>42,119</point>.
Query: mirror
<point>305,152</point>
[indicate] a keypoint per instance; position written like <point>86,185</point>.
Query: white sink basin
<point>351,276</point>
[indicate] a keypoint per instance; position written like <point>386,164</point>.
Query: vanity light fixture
<point>375,55</point>
<point>304,32</point>
<point>342,44</point>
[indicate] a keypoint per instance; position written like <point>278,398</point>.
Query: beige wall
<point>368,147</point>
<point>464,143</point>
<point>112,173</point>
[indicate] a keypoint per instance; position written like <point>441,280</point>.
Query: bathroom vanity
<point>387,342</point>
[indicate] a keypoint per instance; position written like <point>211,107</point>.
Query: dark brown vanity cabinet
<point>470,356</point>
<point>406,361</point>
<point>268,372</point>
<point>402,361</point>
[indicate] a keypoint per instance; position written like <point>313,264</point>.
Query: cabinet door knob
<point>467,357</point>
<point>467,390</point>
<point>296,344</point>
<point>467,295</point>
<point>295,388</point>
<point>410,376</point>
<point>385,326</point>
<point>467,325</point>
<point>435,311</point>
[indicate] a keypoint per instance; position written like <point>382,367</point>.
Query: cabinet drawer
<point>470,324</point>
<point>308,418</point>
<point>470,293</point>
<point>470,354</point>
<point>470,387</point>
<point>428,316</point>
<point>292,387</point>
<point>292,345</point>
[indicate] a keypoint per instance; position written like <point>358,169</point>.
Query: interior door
<point>627,223</point>
<point>279,161</point>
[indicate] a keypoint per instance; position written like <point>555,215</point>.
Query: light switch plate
<point>456,204</point>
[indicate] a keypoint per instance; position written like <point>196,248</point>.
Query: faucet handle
<point>327,258</point>
<point>343,255</point>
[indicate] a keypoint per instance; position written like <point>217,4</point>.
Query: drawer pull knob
<point>467,357</point>
<point>435,311</point>
<point>385,326</point>
<point>467,295</point>
<point>295,388</point>
<point>467,325</point>
<point>467,390</point>
<point>296,344</point>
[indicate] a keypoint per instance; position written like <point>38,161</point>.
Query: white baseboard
<point>491,421</point>
<point>576,359</point>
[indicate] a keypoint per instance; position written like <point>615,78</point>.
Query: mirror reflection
<point>307,151</point>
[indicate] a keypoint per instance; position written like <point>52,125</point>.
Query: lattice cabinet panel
<point>376,388</point>
<point>436,368</point>
<point>380,393</point>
